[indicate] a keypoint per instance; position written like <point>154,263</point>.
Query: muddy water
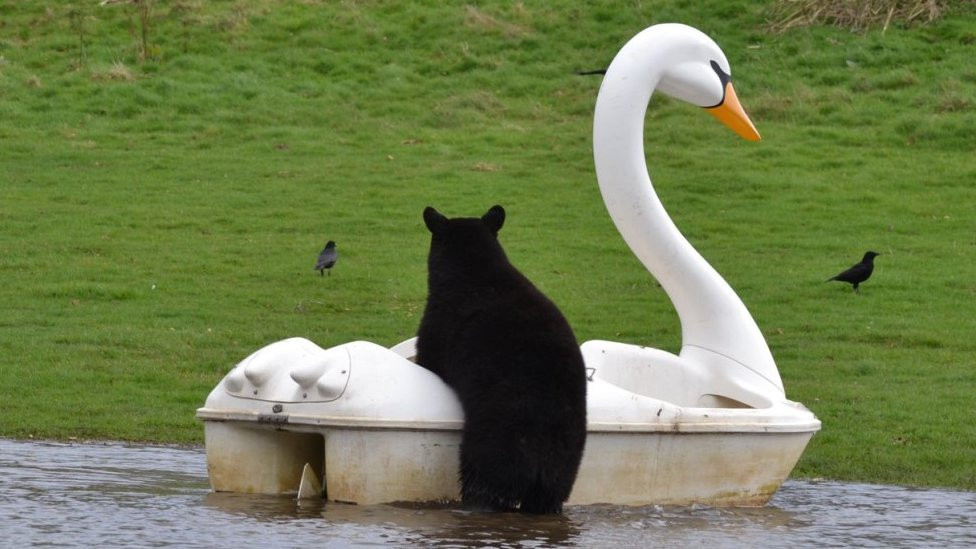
<point>116,495</point>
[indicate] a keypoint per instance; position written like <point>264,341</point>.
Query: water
<point>115,495</point>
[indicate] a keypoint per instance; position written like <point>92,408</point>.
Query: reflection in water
<point>408,523</point>
<point>119,495</point>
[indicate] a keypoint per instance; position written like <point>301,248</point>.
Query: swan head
<point>695,70</point>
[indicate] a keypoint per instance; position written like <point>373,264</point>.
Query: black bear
<point>513,360</point>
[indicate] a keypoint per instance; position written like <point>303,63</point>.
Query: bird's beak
<point>730,112</point>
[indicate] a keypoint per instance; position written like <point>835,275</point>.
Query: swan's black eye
<point>722,75</point>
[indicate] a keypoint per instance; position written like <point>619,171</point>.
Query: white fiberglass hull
<point>376,428</point>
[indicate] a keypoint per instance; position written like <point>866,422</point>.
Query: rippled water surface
<point>118,495</point>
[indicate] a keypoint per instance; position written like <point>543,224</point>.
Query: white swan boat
<point>364,424</point>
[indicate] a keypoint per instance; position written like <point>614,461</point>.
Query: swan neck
<point>713,318</point>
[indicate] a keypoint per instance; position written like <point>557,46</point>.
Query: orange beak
<point>730,112</point>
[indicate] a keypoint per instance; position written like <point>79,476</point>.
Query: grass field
<point>162,200</point>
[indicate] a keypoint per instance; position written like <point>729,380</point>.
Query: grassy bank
<point>165,193</point>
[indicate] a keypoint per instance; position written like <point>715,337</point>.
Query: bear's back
<point>479,306</point>
<point>513,360</point>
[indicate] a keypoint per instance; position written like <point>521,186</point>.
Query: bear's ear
<point>495,218</point>
<point>434,220</point>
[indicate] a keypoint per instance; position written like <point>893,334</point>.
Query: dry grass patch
<point>953,97</point>
<point>857,15</point>
<point>485,167</point>
<point>118,72</point>
<point>478,19</point>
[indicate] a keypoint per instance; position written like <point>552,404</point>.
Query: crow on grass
<point>327,258</point>
<point>858,273</point>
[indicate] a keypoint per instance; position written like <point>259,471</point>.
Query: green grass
<point>161,210</point>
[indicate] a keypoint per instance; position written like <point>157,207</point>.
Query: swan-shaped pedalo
<point>710,424</point>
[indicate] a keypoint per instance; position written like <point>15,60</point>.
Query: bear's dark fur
<point>512,358</point>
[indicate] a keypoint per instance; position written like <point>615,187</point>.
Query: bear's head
<point>464,243</point>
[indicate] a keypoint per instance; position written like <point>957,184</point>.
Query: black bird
<point>858,273</point>
<point>327,258</point>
